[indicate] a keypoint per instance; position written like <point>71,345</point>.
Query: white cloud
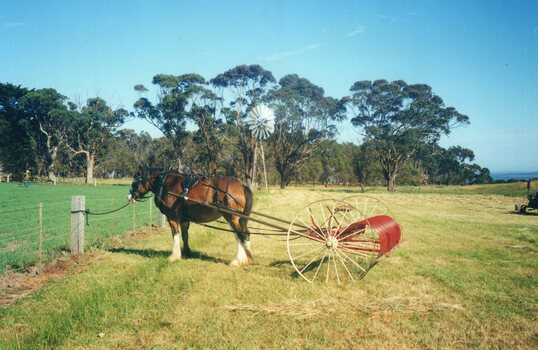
<point>280,55</point>
<point>358,30</point>
<point>13,24</point>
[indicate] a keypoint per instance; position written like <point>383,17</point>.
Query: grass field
<point>19,219</point>
<point>465,276</point>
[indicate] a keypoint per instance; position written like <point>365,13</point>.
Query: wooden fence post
<point>161,220</point>
<point>40,248</point>
<point>78,206</point>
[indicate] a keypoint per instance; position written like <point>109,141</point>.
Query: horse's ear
<point>141,172</point>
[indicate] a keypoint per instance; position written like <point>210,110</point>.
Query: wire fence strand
<point>20,227</point>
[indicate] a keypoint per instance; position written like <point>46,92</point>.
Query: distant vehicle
<point>533,201</point>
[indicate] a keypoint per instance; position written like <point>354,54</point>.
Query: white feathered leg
<point>176,249</point>
<point>244,256</point>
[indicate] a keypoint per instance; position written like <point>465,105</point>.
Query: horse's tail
<point>249,200</point>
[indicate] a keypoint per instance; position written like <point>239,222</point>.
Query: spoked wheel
<point>334,240</point>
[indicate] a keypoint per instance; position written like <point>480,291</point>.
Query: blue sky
<point>481,57</point>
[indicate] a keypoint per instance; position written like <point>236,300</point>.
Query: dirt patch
<point>17,285</point>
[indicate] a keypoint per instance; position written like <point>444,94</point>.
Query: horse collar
<point>163,181</point>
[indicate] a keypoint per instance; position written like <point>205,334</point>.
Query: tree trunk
<point>52,176</point>
<point>90,162</point>
<point>284,177</point>
<point>391,182</point>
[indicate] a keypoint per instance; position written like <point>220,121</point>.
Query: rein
<point>87,212</point>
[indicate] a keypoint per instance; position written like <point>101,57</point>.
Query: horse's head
<point>142,184</point>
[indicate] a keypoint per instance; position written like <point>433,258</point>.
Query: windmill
<point>261,123</point>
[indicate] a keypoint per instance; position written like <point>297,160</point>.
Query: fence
<point>36,233</point>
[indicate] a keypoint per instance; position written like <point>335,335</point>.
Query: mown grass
<point>464,277</point>
<point>513,189</point>
<point>19,219</point>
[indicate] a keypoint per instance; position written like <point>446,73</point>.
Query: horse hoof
<point>237,263</point>
<point>173,258</point>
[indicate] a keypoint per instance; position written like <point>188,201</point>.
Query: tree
<point>454,165</point>
<point>91,128</point>
<point>140,145</point>
<point>248,85</point>
<point>49,117</point>
<point>117,159</point>
<point>207,139</point>
<point>178,99</point>
<point>398,118</point>
<point>17,151</point>
<point>164,155</point>
<point>430,159</point>
<point>482,176</point>
<point>305,120</point>
<point>310,171</point>
<point>366,168</point>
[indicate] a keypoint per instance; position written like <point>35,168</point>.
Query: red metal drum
<point>341,240</point>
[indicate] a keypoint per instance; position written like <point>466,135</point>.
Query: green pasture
<point>465,276</point>
<point>19,219</point>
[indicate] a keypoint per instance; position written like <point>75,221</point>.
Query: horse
<point>181,199</point>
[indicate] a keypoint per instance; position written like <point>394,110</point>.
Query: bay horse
<point>172,191</point>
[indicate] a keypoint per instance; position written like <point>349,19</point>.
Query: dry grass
<point>464,277</point>
<point>325,307</point>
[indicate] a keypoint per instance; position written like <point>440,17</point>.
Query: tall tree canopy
<point>207,138</point>
<point>397,119</point>
<point>17,149</point>
<point>177,101</point>
<point>206,128</point>
<point>305,120</point>
<point>248,85</point>
<point>91,129</point>
<point>46,109</point>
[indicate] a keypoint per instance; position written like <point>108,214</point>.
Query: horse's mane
<point>170,170</point>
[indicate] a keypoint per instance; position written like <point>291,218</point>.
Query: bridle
<point>135,184</point>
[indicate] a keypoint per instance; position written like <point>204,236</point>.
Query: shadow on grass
<point>527,213</point>
<point>151,253</point>
<point>295,274</point>
<point>315,266</point>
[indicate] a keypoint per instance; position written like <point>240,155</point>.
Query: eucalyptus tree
<point>305,120</point>
<point>207,138</point>
<point>91,128</point>
<point>482,176</point>
<point>17,150</point>
<point>247,86</point>
<point>397,118</point>
<point>365,165</point>
<point>179,99</point>
<point>455,165</point>
<point>140,145</point>
<point>48,115</point>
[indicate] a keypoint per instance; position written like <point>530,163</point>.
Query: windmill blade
<point>261,122</point>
